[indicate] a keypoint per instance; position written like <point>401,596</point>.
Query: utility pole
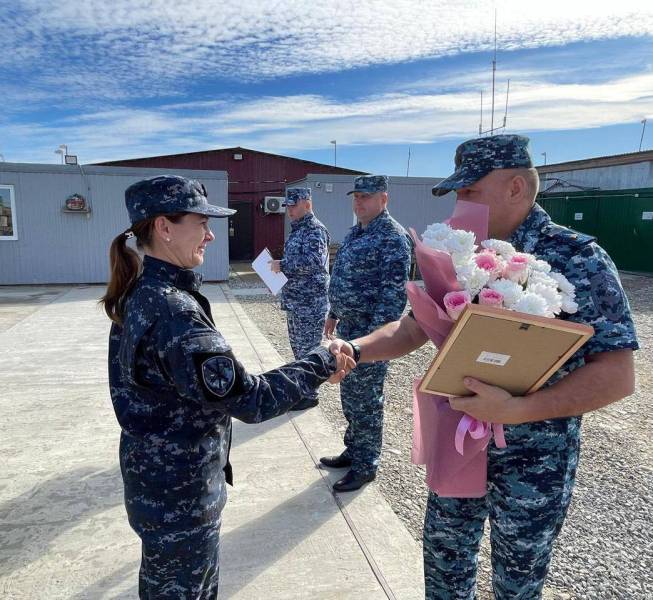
<point>641,139</point>
<point>335,153</point>
<point>408,164</point>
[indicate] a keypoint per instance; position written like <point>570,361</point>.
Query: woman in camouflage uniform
<point>175,384</point>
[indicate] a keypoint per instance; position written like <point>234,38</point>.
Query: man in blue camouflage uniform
<point>175,384</point>
<point>305,263</point>
<point>530,482</point>
<point>367,290</point>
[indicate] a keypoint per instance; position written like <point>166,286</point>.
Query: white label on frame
<point>578,216</point>
<point>647,216</point>
<point>492,358</point>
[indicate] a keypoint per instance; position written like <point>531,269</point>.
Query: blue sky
<point>137,78</point>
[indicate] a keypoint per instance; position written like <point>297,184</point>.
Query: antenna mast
<point>494,68</point>
<point>492,128</point>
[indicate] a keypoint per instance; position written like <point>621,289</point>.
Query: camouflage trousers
<point>361,394</point>
<point>529,489</point>
<point>305,328</point>
<point>180,564</point>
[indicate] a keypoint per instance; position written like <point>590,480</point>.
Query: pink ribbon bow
<point>478,430</point>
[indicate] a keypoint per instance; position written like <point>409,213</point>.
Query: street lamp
<point>63,150</point>
<point>544,155</point>
<point>335,152</point>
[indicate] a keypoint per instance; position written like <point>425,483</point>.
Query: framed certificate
<point>512,350</point>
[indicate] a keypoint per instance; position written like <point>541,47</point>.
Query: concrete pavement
<point>63,529</point>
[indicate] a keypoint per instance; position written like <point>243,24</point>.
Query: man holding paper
<point>529,482</point>
<point>305,263</point>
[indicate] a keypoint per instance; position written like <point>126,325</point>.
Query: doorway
<point>241,229</point>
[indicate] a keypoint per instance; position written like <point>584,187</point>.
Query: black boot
<point>336,462</point>
<point>352,481</point>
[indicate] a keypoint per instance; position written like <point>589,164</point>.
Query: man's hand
<point>275,266</point>
<point>329,328</point>
<point>344,365</point>
<point>337,347</point>
<point>490,403</point>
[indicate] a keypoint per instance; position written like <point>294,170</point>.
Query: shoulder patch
<point>569,236</point>
<point>607,295</point>
<point>218,375</point>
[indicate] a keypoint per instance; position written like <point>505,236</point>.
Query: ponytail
<point>125,265</point>
<point>125,268</point>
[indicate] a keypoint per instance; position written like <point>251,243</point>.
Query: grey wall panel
<point>615,177</point>
<point>58,247</point>
<point>411,202</point>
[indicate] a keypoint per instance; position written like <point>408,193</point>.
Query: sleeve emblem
<point>219,375</point>
<point>608,296</point>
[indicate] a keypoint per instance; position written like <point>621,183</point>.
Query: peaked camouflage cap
<point>295,194</point>
<point>478,157</point>
<point>370,184</point>
<point>168,194</point>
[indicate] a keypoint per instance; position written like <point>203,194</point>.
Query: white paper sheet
<point>274,281</point>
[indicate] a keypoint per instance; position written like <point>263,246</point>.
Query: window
<point>7,213</point>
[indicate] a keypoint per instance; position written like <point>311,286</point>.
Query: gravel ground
<point>606,547</point>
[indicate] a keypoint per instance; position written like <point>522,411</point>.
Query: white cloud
<point>156,41</point>
<point>280,124</point>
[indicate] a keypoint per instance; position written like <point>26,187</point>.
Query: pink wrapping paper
<point>448,473</point>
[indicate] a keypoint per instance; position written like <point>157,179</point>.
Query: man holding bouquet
<point>531,480</point>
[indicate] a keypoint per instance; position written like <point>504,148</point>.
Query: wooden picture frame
<point>512,350</point>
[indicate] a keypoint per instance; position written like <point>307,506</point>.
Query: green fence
<point>622,221</point>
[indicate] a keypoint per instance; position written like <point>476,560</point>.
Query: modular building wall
<point>621,220</point>
<point>410,202</point>
<point>47,244</point>
<point>631,176</point>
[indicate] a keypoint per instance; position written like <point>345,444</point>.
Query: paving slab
<point>63,529</point>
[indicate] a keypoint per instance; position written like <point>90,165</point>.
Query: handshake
<point>344,353</point>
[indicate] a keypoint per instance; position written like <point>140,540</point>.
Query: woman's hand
<point>344,365</point>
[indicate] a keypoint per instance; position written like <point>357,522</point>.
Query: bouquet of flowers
<point>497,275</point>
<point>459,266</point>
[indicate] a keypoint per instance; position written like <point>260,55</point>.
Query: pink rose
<point>517,268</point>
<point>490,262</point>
<point>489,297</point>
<point>455,302</point>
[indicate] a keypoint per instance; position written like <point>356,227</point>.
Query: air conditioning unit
<point>274,204</point>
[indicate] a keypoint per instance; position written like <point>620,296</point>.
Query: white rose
<point>510,291</point>
<point>550,294</point>
<point>568,305</point>
<point>532,304</point>
<point>436,236</point>
<point>539,277</point>
<point>540,265</point>
<point>461,242</point>
<point>502,248</point>
<point>440,245</point>
<point>563,284</point>
<point>472,278</point>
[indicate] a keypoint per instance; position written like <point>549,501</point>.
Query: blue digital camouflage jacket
<point>368,280</point>
<point>602,302</point>
<point>175,384</point>
<point>306,264</point>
